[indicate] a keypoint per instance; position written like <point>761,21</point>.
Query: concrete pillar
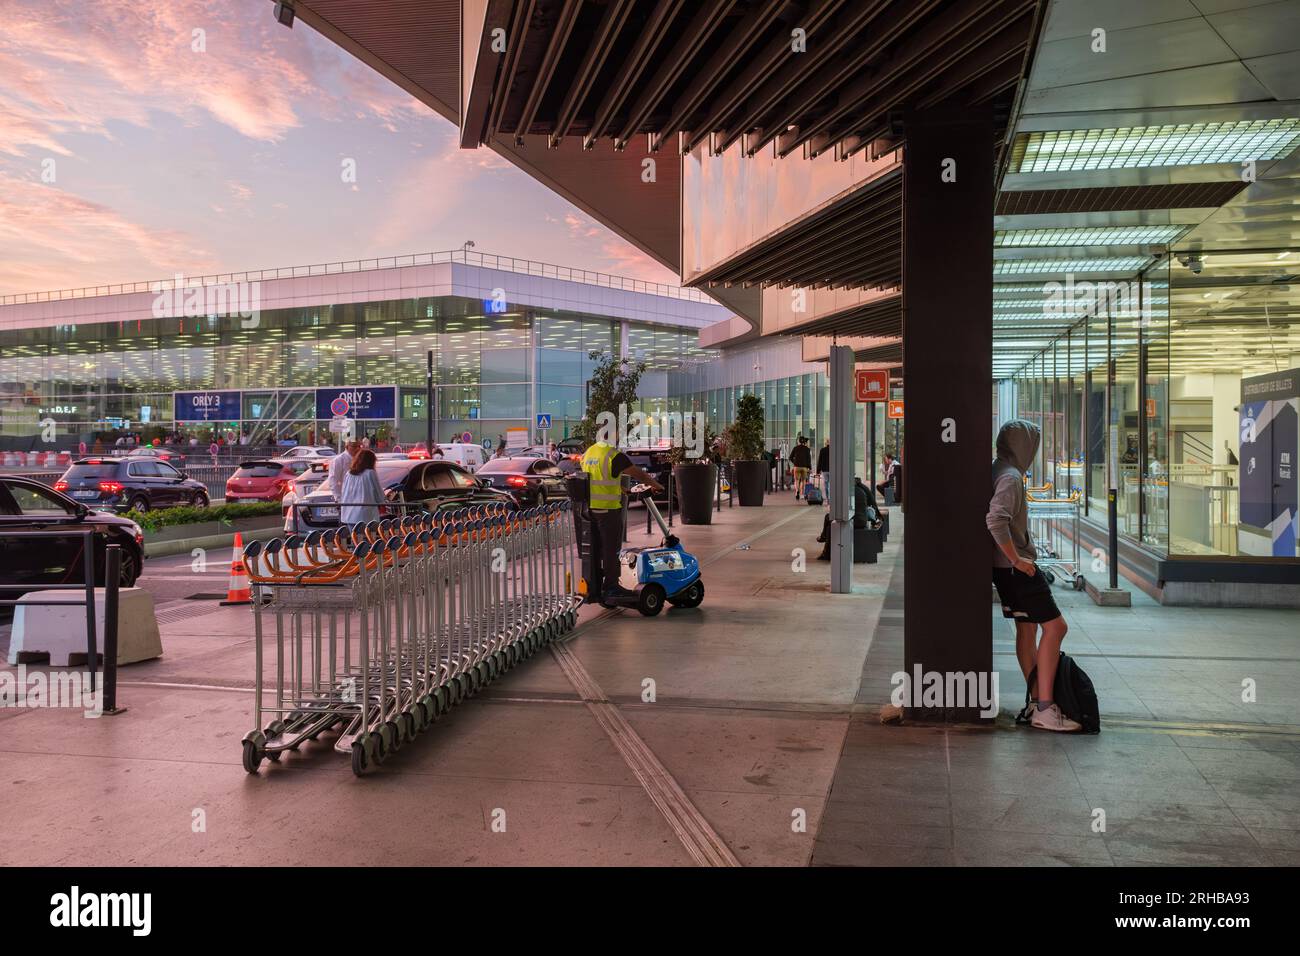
<point>948,193</point>
<point>842,446</point>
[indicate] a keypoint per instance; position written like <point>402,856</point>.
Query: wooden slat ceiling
<point>1109,198</point>
<point>878,319</point>
<point>853,243</point>
<point>720,70</point>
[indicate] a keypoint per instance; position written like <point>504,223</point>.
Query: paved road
<point>176,577</point>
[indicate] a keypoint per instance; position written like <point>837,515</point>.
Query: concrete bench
<point>60,630</point>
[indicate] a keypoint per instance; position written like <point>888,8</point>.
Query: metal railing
<point>380,627</point>
<point>529,267</point>
<point>112,581</point>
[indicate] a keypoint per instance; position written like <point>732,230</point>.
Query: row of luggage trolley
<point>1054,531</point>
<point>378,629</point>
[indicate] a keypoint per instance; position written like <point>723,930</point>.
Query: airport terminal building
<point>510,339</point>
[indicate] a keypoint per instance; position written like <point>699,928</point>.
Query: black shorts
<point>1024,598</point>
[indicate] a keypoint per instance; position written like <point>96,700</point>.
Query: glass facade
<point>792,406</point>
<point>492,370</point>
<point>1183,400</point>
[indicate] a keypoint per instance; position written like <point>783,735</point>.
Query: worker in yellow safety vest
<point>605,466</point>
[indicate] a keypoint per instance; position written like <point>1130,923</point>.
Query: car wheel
<point>130,569</point>
<point>200,500</point>
<point>139,504</point>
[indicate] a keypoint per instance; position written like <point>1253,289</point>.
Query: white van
<point>468,456</point>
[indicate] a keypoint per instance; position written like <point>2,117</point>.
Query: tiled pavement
<point>764,716</point>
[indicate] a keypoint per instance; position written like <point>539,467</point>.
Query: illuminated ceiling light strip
<point>1088,236</point>
<point>1062,266</point>
<point>1131,147</point>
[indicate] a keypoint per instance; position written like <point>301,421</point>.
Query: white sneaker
<point>1053,719</point>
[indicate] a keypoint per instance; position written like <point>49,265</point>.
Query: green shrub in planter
<point>170,517</point>
<point>744,438</point>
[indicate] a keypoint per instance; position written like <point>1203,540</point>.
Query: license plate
<point>85,494</point>
<point>327,512</point>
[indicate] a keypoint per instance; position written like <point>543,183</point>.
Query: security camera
<point>1192,263</point>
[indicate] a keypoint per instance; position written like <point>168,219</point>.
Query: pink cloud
<point>69,67</point>
<point>48,233</point>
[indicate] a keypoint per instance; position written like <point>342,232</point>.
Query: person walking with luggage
<point>1024,592</point>
<point>824,468</point>
<point>801,462</point>
<point>605,466</point>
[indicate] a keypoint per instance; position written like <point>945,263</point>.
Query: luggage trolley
<point>380,628</point>
<point>1054,531</point>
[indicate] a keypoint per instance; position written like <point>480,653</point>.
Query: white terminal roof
<point>523,282</point>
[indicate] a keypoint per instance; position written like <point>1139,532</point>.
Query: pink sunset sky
<point>127,155</point>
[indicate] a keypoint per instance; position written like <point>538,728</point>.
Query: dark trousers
<point>607,529</point>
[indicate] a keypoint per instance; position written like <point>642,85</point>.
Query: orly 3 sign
<point>378,402</point>
<point>207,406</point>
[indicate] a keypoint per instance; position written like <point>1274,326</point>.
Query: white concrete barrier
<point>60,630</point>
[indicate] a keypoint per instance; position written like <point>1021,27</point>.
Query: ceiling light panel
<point>1132,147</point>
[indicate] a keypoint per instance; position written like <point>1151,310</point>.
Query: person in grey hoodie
<point>1025,593</point>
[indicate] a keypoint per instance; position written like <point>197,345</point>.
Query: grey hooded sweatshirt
<point>1008,518</point>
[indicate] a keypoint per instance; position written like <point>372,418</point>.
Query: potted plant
<point>744,440</point>
<point>694,481</point>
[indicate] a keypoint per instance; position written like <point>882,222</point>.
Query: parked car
<point>530,481</point>
<point>434,484</point>
<point>656,462</point>
<point>27,505</point>
<point>317,473</point>
<point>168,455</point>
<point>308,451</point>
<point>468,456</point>
<point>264,479</point>
<point>134,483</point>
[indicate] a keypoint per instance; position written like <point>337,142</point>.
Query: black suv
<point>134,483</point>
<point>27,505</point>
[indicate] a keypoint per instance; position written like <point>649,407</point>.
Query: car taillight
<point>517,481</point>
<point>111,487</point>
<point>60,485</point>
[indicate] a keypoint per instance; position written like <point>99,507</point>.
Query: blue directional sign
<point>362,401</point>
<point>206,406</point>
<point>543,421</point>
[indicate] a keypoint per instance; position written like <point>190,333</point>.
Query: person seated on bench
<point>865,514</point>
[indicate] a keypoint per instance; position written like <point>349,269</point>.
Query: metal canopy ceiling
<point>1151,130</point>
<point>853,243</point>
<point>720,70</point>
<point>879,318</point>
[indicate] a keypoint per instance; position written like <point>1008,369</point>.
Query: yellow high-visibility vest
<point>606,490</point>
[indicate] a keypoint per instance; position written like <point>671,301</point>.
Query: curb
<point>162,549</point>
<point>1106,597</point>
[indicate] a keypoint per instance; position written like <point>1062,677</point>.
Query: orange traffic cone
<point>238,591</point>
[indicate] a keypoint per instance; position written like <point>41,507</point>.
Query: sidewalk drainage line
<point>700,840</point>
